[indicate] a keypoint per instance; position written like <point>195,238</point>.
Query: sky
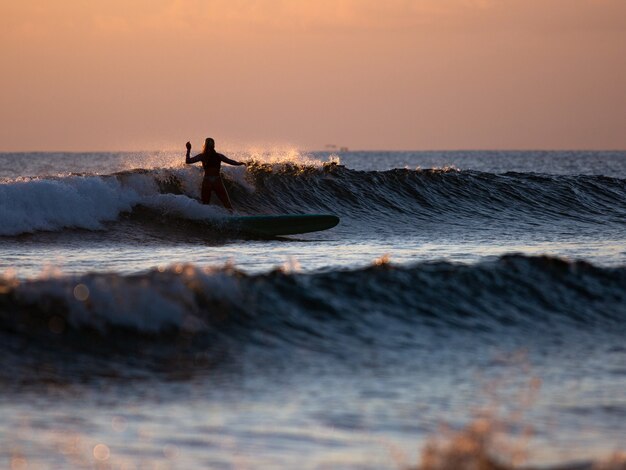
<point>81,75</point>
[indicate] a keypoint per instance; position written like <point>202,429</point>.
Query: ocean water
<point>469,309</point>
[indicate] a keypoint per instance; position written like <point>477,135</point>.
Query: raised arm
<point>225,159</point>
<point>188,159</point>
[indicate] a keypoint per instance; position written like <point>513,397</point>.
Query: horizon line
<point>337,151</point>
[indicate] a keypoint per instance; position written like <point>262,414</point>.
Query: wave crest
<point>515,290</point>
<point>401,197</point>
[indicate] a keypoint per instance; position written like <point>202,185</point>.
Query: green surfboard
<point>275,225</point>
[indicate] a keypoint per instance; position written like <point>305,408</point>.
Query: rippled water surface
<point>476,290</point>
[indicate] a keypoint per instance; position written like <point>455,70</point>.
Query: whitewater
<point>469,306</point>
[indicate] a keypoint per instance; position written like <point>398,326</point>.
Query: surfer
<point>211,162</point>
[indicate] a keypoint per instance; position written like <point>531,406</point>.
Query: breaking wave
<point>441,196</point>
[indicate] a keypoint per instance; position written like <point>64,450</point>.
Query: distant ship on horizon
<point>335,147</point>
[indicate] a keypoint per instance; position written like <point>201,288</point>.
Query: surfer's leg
<point>220,190</point>
<point>206,192</point>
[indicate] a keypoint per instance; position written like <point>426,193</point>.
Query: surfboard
<point>276,225</point>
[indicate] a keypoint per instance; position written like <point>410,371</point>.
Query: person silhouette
<point>212,181</point>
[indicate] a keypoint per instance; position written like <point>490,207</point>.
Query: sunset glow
<point>429,74</point>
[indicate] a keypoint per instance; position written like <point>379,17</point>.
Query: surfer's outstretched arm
<point>189,159</point>
<point>195,159</point>
<point>225,159</point>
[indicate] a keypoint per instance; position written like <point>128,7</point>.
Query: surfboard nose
<point>331,220</point>
<point>276,225</point>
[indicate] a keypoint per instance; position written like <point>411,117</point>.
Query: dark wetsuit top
<point>212,160</point>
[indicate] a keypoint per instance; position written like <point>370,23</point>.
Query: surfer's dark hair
<point>209,143</point>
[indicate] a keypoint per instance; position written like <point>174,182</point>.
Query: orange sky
<point>367,74</point>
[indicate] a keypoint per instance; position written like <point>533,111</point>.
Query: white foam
<point>81,202</point>
<point>87,202</point>
<point>281,156</point>
<point>184,207</point>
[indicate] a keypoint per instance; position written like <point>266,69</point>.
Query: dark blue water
<point>484,291</point>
